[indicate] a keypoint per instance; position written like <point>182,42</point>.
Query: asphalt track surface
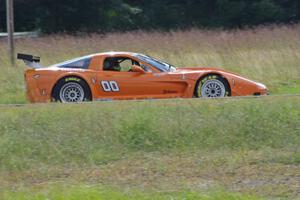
<point>153,100</point>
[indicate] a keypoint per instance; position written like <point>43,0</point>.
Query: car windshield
<point>81,63</point>
<point>161,66</point>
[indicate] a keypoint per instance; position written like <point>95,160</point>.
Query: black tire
<point>71,90</point>
<point>212,86</point>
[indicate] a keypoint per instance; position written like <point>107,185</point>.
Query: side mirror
<point>136,68</point>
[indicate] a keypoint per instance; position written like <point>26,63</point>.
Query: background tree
<point>121,15</point>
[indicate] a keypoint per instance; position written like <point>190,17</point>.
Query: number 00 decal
<point>110,86</point>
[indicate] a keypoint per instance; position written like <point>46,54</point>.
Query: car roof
<point>111,53</point>
<point>114,53</point>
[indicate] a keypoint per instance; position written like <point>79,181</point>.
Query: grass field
<point>241,145</point>
<point>232,148</point>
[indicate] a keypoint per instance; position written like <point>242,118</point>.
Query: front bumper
<point>261,90</point>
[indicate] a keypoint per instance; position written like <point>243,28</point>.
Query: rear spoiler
<point>30,60</point>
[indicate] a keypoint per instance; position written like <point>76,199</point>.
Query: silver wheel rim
<point>213,89</point>
<point>71,92</point>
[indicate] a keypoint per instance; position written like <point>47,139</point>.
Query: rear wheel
<point>212,86</point>
<point>71,90</point>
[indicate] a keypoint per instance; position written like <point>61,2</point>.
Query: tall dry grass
<point>267,54</point>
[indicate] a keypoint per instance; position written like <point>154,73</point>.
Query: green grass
<point>161,149</point>
<point>98,193</point>
<point>247,145</point>
<point>92,133</point>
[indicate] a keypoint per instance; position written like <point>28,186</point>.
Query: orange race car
<point>124,75</point>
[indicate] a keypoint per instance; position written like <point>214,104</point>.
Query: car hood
<point>193,69</point>
<point>195,72</point>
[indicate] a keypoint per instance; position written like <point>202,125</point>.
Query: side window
<point>78,64</point>
<point>126,65</point>
<point>119,64</point>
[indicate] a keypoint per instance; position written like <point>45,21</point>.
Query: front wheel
<point>212,86</point>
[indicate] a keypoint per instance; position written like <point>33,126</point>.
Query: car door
<point>123,83</point>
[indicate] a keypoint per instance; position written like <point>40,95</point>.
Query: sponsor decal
<point>158,74</point>
<point>72,79</point>
<point>169,91</point>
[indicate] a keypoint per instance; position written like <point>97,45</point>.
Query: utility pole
<point>10,30</point>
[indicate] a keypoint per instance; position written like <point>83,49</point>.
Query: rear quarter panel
<point>40,83</point>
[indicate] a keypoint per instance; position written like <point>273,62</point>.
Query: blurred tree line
<point>122,15</point>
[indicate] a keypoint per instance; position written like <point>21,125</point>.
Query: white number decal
<point>114,86</point>
<point>110,86</point>
<point>105,86</point>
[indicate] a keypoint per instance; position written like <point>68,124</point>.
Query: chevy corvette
<point>125,75</point>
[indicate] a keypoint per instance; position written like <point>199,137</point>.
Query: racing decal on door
<point>110,86</point>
